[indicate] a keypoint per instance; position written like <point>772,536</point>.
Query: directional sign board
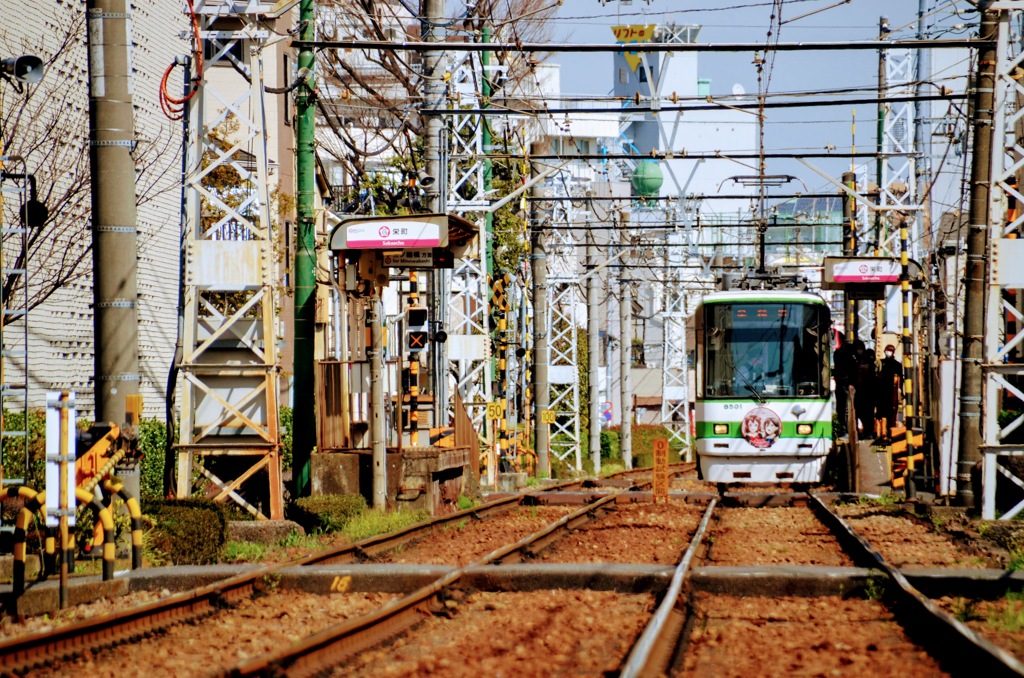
<point>411,258</point>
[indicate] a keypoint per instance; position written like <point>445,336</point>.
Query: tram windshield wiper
<point>757,395</point>
<point>750,387</point>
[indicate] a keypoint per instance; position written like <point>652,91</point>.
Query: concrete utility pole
<point>625,352</point>
<point>977,247</point>
<point>434,88</point>
<point>114,242</point>
<point>593,351</point>
<point>539,262</point>
<point>377,446</point>
<point>303,401</point>
<point>850,250</point>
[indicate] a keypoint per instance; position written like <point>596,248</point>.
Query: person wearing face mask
<point>890,385</point>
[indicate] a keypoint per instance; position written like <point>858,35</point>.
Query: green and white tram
<point>763,409</point>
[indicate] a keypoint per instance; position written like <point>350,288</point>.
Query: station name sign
<point>861,270</point>
<point>391,233</point>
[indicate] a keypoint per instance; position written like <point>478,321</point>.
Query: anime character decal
<point>761,427</point>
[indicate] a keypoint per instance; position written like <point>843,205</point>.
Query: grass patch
<point>886,501</point>
<point>244,552</point>
<point>371,523</point>
<point>465,502</point>
<point>1011,618</point>
<point>874,588</point>
<point>612,466</point>
<point>964,609</point>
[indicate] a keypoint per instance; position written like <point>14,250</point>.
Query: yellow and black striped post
<point>499,310</point>
<point>414,372</point>
<point>909,414</point>
<point>134,512</point>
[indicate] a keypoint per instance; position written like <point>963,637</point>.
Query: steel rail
<point>334,645</point>
<point>653,650</point>
<point>951,641</point>
<point>22,652</point>
<point>371,546</point>
<point>616,479</point>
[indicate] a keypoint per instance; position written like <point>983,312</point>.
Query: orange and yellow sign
<point>633,34</point>
<point>660,485</point>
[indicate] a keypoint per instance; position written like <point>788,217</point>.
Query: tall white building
<point>48,125</point>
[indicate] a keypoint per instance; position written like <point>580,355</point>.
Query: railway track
<point>680,568</point>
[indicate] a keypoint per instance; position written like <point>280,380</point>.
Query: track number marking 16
<point>341,584</point>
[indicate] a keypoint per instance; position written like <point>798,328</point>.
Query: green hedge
<point>326,512</point>
<point>152,444</point>
<point>189,531</point>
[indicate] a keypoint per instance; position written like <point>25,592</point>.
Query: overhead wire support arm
<point>714,105</point>
<point>640,46</point>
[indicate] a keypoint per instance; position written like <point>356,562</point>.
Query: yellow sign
<point>633,34</point>
<point>494,411</point>
<point>547,416</point>
<point>660,484</point>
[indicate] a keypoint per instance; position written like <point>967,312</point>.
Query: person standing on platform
<point>844,370</point>
<point>890,385</point>
<point>865,385</point>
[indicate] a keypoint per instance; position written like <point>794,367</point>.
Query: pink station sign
<point>395,233</point>
<point>866,271</point>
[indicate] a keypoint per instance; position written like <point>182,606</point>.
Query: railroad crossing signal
<point>494,411</point>
<point>442,257</point>
<point>417,336</point>
<point>547,416</point>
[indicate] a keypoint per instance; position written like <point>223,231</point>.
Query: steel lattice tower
<point>229,363</point>
<point>1002,370</point>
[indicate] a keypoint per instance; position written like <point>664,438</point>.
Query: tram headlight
<point>804,429</point>
<point>721,429</point>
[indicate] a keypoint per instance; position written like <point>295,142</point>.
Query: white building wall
<point>61,329</point>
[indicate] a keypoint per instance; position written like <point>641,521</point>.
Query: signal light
<point>417,340</point>
<point>442,257</point>
<point>416,316</point>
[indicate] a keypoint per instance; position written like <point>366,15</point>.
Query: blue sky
<point>748,21</point>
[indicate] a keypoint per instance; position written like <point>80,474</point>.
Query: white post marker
<point>60,476</point>
<point>57,401</point>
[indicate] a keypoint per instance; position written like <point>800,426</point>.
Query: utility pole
<point>625,351</point>
<point>883,58</point>
<point>377,446</point>
<point>433,95</point>
<point>114,242</point>
<point>539,263</point>
<point>593,350</point>
<point>850,250</point>
<point>975,277</point>
<point>304,404</point>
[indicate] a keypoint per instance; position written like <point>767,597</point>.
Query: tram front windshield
<point>767,349</point>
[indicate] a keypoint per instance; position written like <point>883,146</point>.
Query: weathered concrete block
<point>511,482</point>
<point>335,473</point>
<point>262,531</point>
